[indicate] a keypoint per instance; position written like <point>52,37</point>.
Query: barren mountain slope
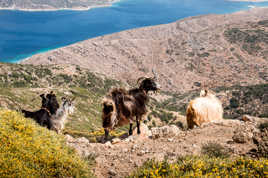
<point>230,49</point>
<point>52,4</point>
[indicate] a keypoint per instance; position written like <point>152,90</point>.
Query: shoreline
<point>29,57</point>
<point>249,0</point>
<point>21,60</point>
<point>60,9</point>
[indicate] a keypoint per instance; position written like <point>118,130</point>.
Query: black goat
<point>43,115</point>
<point>122,106</point>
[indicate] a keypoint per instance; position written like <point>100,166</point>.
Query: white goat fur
<point>203,109</point>
<point>58,120</point>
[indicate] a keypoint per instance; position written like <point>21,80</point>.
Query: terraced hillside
<point>228,49</point>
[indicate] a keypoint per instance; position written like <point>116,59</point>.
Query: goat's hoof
<point>104,140</point>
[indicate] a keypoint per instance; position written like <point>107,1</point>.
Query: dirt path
<point>122,158</point>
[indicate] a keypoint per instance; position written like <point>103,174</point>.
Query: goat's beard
<point>156,91</point>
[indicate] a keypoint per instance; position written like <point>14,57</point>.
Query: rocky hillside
<point>225,50</point>
<point>237,101</point>
<point>21,85</point>
<point>52,4</point>
<point>228,138</point>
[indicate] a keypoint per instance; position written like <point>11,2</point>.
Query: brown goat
<point>121,106</point>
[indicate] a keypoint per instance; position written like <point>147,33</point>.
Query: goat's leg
<point>138,126</point>
<point>49,123</point>
<point>41,120</point>
<point>130,128</point>
<point>106,134</point>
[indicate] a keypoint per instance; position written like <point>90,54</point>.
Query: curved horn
<point>73,99</point>
<point>155,75</point>
<point>139,79</point>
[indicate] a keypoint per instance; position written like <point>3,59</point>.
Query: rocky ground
<point>120,157</point>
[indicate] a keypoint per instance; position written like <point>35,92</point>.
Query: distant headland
<point>250,0</point>
<point>53,5</point>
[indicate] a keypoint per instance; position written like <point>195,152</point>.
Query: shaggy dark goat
<point>43,115</point>
<point>122,106</point>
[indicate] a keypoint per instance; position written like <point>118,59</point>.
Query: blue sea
<point>23,34</point>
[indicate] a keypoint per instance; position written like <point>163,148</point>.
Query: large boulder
<point>165,131</point>
<point>244,133</point>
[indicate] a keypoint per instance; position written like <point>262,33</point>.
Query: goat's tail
<point>28,114</point>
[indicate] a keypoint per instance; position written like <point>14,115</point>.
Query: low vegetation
<point>30,150</point>
<point>204,166</point>
<point>263,126</point>
<point>29,76</point>
<point>252,41</point>
<point>72,81</point>
<point>237,102</point>
<point>213,149</point>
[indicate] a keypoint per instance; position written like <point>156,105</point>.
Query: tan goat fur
<point>203,109</point>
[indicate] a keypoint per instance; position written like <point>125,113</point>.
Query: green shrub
<point>234,103</point>
<point>153,123</point>
<point>214,149</point>
<point>28,150</point>
<point>42,72</point>
<point>205,54</point>
<point>263,126</point>
<point>263,22</point>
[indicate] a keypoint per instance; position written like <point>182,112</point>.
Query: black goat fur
<point>43,115</point>
<point>128,104</point>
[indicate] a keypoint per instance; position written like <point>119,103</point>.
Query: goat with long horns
<point>123,106</point>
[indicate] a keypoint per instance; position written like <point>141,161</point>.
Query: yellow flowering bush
<point>204,166</point>
<point>93,136</point>
<point>28,150</point>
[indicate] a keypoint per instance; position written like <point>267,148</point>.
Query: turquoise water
<point>23,34</point>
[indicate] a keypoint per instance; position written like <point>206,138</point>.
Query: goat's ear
<point>63,98</point>
<point>72,100</point>
<point>42,95</point>
<point>202,93</point>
